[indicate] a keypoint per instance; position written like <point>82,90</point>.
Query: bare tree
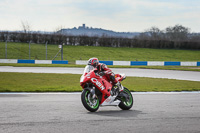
<point>155,33</point>
<point>143,36</point>
<point>26,26</point>
<point>177,33</point>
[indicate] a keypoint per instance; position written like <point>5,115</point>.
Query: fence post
<point>46,50</point>
<point>29,50</point>
<point>6,50</point>
<point>62,51</point>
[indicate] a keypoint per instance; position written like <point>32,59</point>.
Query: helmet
<point>93,61</point>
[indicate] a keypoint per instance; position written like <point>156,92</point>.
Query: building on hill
<point>84,30</point>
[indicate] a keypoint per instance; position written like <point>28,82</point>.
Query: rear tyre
<point>126,104</point>
<point>91,104</point>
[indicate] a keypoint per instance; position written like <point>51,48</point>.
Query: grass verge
<point>72,53</point>
<point>182,68</point>
<point>33,82</point>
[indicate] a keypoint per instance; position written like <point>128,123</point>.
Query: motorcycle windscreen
<point>87,69</point>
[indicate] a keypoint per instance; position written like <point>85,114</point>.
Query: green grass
<point>32,82</point>
<point>182,68</point>
<point>72,53</point>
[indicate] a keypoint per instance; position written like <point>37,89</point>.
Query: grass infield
<point>182,68</point>
<point>72,53</point>
<point>33,82</point>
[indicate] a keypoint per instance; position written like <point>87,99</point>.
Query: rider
<point>104,70</point>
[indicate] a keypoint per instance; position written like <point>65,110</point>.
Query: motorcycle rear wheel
<point>126,104</point>
<point>88,102</point>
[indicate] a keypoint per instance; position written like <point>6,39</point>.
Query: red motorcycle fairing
<point>99,81</point>
<point>99,90</point>
<point>120,77</point>
<point>104,86</point>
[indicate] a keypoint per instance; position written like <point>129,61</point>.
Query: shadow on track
<point>117,113</point>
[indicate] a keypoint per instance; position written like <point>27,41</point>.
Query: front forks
<point>92,91</point>
<point>124,95</point>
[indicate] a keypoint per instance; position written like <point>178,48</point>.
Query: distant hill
<point>83,30</point>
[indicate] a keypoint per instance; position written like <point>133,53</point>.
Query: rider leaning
<point>102,68</point>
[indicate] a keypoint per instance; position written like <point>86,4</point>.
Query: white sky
<point>117,15</point>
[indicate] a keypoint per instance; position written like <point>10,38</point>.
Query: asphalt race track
<point>64,113</point>
<point>170,74</point>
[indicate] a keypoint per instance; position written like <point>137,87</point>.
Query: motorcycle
<point>97,90</point>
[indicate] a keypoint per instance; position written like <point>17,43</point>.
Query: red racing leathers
<point>104,70</point>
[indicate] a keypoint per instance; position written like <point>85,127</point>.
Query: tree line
<point>176,37</point>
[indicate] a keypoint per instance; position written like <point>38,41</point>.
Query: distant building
<point>83,30</point>
<point>83,26</point>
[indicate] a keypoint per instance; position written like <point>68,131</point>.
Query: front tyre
<point>91,104</point>
<point>126,104</point>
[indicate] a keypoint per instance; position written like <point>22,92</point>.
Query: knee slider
<point>112,77</point>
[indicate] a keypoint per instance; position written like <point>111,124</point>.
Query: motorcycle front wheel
<point>126,104</point>
<point>90,103</point>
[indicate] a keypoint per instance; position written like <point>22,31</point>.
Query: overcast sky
<point>117,15</point>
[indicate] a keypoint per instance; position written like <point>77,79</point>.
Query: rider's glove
<point>101,73</point>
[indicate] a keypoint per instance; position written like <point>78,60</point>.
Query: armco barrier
<point>107,62</point>
<point>8,60</point>
<point>138,63</point>
<point>120,63</point>
<point>188,63</point>
<point>81,62</point>
<point>172,63</point>
<point>34,61</point>
<point>26,61</point>
<point>143,63</point>
<point>43,61</point>
<point>155,63</point>
<point>59,62</point>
